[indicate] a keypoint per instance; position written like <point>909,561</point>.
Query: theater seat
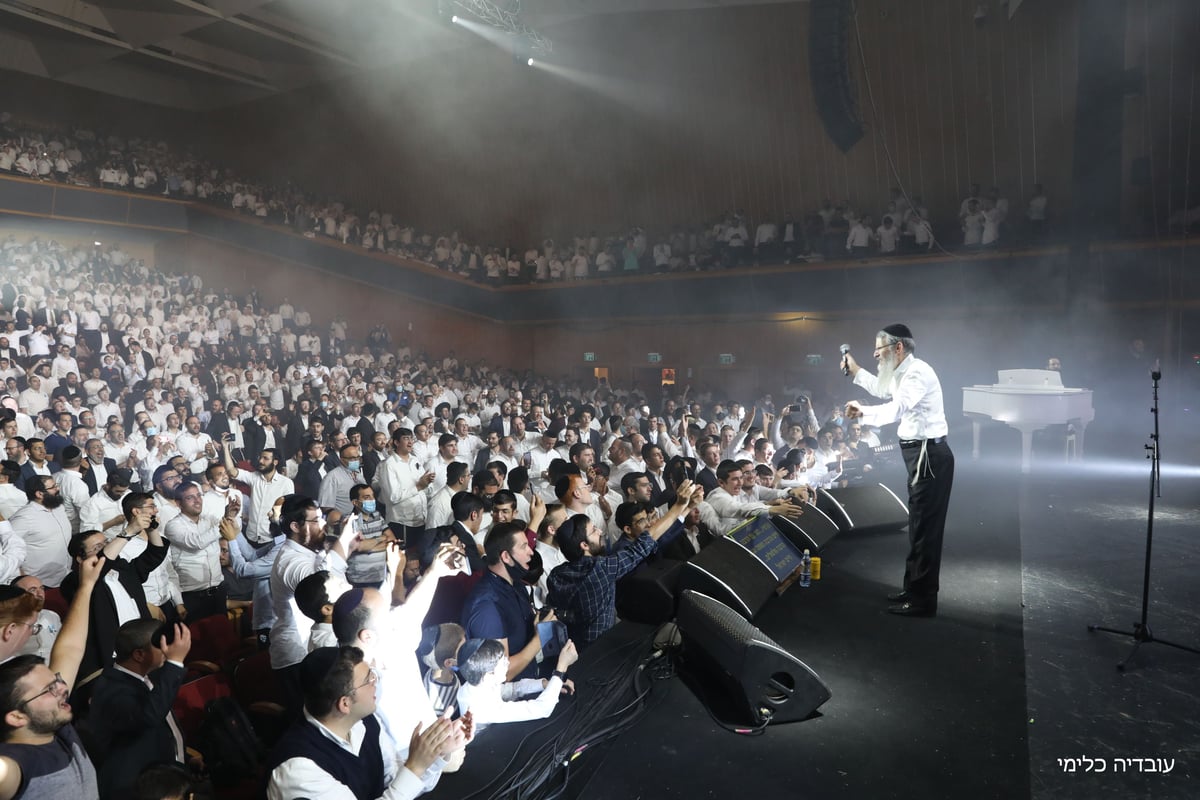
<point>216,639</point>
<point>56,602</point>
<point>190,701</point>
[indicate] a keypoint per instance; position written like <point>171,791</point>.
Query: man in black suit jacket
<point>130,720</point>
<point>105,616</point>
<point>37,453</point>
<point>374,453</point>
<point>695,537</point>
<point>309,475</point>
<point>254,434</point>
<point>710,457</point>
<point>96,459</point>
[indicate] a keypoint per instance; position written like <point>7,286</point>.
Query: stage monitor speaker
<point>738,672</point>
<point>647,595</point>
<point>864,509</point>
<point>730,572</point>
<point>813,529</point>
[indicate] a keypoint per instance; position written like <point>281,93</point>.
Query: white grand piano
<point>1028,400</point>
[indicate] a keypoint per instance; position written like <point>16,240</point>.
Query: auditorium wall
<point>679,116</point>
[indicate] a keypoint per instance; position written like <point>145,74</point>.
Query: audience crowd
<point>901,224</point>
<point>423,546</point>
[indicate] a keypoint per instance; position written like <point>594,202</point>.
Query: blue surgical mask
<point>324,404</point>
<point>368,506</point>
<point>354,465</point>
<point>151,431</point>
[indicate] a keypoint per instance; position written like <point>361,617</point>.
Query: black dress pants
<point>928,502</point>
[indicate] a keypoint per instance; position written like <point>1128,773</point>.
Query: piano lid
<point>1039,378</point>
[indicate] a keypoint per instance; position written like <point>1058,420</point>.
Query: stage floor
<point>982,701</point>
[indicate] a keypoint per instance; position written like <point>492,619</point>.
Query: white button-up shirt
<point>397,483</point>
<point>914,398</point>
<point>301,777</point>
<point>263,494</point>
<point>46,534</point>
<point>289,634</point>
<point>195,551</point>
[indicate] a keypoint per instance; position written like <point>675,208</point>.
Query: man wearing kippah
<point>914,398</point>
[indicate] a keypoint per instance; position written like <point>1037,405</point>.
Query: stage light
<point>454,19</point>
<point>530,62</point>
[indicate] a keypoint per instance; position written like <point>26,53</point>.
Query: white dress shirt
<point>263,494</point>
<point>46,534</point>
<point>195,551</point>
<point>396,480</point>
<point>301,777</point>
<point>12,553</point>
<point>289,634</point>
<point>915,399</point>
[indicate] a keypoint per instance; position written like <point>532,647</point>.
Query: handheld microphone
<point>845,351</point>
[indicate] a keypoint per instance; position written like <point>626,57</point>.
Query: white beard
<point>887,369</point>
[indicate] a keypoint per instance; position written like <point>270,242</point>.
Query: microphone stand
<point>1141,632</point>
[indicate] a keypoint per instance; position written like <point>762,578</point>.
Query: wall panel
<point>684,115</point>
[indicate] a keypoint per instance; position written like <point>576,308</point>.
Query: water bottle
<point>806,569</point>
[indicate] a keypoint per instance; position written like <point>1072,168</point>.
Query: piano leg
<point>1080,427</point>
<point>1027,447</point>
<point>975,440</point>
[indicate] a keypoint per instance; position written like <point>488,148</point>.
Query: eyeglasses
<point>51,689</point>
<point>885,346</point>
<point>316,520</point>
<point>34,627</point>
<point>372,679</point>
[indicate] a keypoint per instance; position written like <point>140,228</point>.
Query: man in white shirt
<point>341,737</point>
<point>44,526</point>
<point>301,555</point>
<point>195,445</point>
<point>401,484</point>
<point>102,511</point>
<point>71,486</point>
<point>914,398</point>
<point>733,506</point>
<point>195,551</point>
<point>267,485</point>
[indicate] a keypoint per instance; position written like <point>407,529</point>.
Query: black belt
<point>907,443</point>
<point>209,592</point>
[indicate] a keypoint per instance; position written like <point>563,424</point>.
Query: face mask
<point>354,465</point>
<point>516,572</point>
<point>368,506</point>
<point>324,404</point>
<point>151,431</point>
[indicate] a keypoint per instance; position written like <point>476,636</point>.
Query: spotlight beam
<point>506,18</point>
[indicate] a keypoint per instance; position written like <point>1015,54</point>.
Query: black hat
<point>899,330</point>
<point>469,648</point>
<point>317,664</point>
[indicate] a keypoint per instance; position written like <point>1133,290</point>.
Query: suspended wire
<point>881,133</point>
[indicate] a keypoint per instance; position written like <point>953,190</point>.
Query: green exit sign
<point>589,356</point>
<point>726,358</point>
<point>654,358</point>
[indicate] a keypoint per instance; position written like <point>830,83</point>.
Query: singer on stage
<point>914,398</point>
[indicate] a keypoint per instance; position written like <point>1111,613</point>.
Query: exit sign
<point>654,358</point>
<point>726,358</point>
<point>589,356</point>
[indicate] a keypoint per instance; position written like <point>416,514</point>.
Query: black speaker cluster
<point>829,71</point>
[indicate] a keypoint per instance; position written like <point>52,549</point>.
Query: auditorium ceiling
<point>200,55</point>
